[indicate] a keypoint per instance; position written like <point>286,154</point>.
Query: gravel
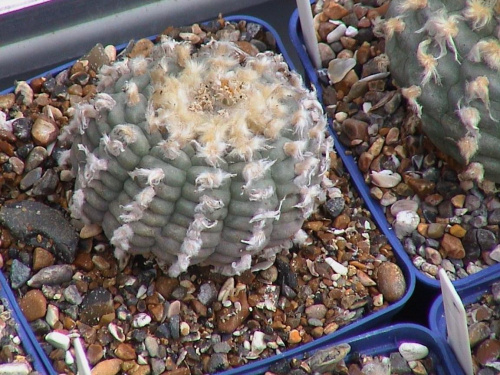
<point>199,322</point>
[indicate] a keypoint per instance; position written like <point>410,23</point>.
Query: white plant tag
<point>456,323</point>
<point>81,359</point>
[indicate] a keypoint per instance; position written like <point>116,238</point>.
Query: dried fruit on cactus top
<point>446,56</point>
<point>198,155</point>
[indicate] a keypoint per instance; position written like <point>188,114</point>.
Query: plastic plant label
<point>456,323</point>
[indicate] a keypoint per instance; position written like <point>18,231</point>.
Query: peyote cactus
<point>198,155</point>
<point>445,54</point>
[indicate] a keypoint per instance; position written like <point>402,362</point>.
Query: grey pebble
<point>174,325</point>
<point>52,275</point>
<point>30,178</point>
<point>47,184</point>
<point>28,219</point>
<point>217,362</point>
<point>19,274</point>
<point>35,158</point>
<point>72,295</point>
<point>335,206</point>
<point>207,293</point>
<point>152,346</point>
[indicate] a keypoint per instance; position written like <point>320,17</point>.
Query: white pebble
<point>336,266</point>
<point>116,331</point>
<point>406,222</point>
<point>411,351</point>
<point>336,34</point>
<point>58,340</point>
<point>258,343</point>
<point>402,205</point>
<point>340,116</point>
<point>174,308</point>
<point>495,253</point>
<point>52,315</point>
<point>141,320</point>
<point>16,368</point>
<point>366,107</point>
<point>68,358</point>
<point>184,329</point>
<point>351,31</point>
<point>385,178</point>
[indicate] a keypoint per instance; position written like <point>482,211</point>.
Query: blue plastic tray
<point>374,320</point>
<point>40,362</point>
<point>382,341</point>
<point>469,294</point>
<point>295,33</point>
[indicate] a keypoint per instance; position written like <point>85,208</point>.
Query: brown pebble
<point>294,337</point>
<point>125,351</point>
<point>44,131</point>
<point>143,47</point>
<point>334,10</point>
<point>341,221</point>
<point>488,351</point>
<point>230,318</point>
<point>84,261</point>
<point>391,281</point>
<point>324,29</point>
<point>458,200</point>
<point>452,246</point>
<point>247,47</point>
<point>457,230</point>
<point>421,186</point>
<point>166,285</point>
<point>435,230</point>
<point>179,371</point>
<point>355,129</point>
<point>107,367</point>
<point>7,101</point>
<point>95,353</point>
<point>33,305</point>
<point>42,258</point>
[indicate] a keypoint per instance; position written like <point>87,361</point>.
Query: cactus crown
<point>198,155</point>
<point>457,50</point>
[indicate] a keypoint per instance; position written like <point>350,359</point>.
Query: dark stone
<point>40,327</point>
<point>218,362</point>
<point>47,184</point>
<point>445,208</point>
<point>486,239</point>
<point>472,202</point>
<point>19,274</point>
<point>174,326</point>
<point>29,221</point>
<point>334,206</point>
<point>285,274</point>
<point>471,245</point>
<point>96,303</point>
<point>494,217</point>
<point>399,364</point>
<point>281,367</point>
<point>21,128</point>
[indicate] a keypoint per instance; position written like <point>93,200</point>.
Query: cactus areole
<point>445,54</point>
<point>198,155</point>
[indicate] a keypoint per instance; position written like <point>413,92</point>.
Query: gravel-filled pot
<point>421,197</point>
<point>481,300</point>
<point>391,349</point>
<point>18,340</point>
<point>162,309</point>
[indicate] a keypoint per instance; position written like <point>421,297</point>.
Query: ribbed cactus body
<point>198,155</point>
<point>446,56</point>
